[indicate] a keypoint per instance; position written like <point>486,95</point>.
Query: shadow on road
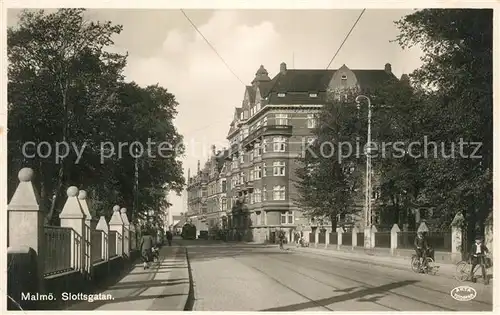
<point>341,298</point>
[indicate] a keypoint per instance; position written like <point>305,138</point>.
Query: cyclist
<point>477,257</point>
<point>421,247</point>
<point>281,238</point>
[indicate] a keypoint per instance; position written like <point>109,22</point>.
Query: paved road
<point>242,277</point>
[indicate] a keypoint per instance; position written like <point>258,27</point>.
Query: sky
<point>165,48</point>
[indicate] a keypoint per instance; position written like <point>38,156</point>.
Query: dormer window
<point>281,94</point>
<point>313,94</point>
<point>344,77</point>
<point>241,116</point>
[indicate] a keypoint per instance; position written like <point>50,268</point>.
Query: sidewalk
<point>397,262</point>
<point>165,286</point>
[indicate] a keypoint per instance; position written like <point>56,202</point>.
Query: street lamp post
<point>368,184</point>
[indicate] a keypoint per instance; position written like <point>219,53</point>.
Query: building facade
<point>268,133</point>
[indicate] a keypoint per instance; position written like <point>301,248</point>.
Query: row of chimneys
<point>387,68</point>
<point>214,153</point>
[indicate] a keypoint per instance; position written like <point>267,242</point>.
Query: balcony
<point>272,130</point>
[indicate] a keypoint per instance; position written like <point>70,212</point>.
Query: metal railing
<point>57,258</point>
<point>112,239</point>
<point>96,239</point>
<point>347,239</point>
<point>322,237</point>
<point>333,238</point>
<point>360,237</point>
<point>406,239</point>
<point>440,241</point>
<point>383,239</point>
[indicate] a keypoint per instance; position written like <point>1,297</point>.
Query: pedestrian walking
<point>146,246</point>
<point>169,238</point>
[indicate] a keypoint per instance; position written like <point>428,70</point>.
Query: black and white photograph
<point>224,158</point>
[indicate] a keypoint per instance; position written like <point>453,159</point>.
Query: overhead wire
<point>347,36</point>
<point>211,46</point>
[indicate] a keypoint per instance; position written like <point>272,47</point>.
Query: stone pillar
<point>354,234</point>
<point>340,231</point>
<point>116,224</point>
<point>316,238</point>
<point>102,226</point>
<point>126,232</point>
<point>72,216</point>
<point>367,237</point>
<point>25,222</point>
<point>373,232</point>
<point>456,237</point>
<point>394,238</point>
<point>82,196</point>
<point>422,227</point>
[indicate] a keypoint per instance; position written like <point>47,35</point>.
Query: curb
<point>188,306</point>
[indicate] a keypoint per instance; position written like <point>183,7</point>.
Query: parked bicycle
<point>463,269</point>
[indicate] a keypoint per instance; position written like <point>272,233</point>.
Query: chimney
<point>388,68</point>
<point>405,79</point>
<point>283,68</point>
<point>189,174</point>
<point>198,167</point>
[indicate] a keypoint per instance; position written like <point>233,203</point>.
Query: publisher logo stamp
<point>463,293</point>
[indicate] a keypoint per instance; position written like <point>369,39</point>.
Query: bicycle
<point>416,265</point>
<point>462,271</point>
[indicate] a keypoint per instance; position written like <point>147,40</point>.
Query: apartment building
<point>207,193</point>
<point>268,133</point>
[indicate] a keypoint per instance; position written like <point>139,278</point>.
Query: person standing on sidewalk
<point>477,257</point>
<point>146,247</point>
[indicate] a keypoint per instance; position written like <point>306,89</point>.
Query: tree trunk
<point>333,219</point>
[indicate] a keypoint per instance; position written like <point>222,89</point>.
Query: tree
<point>457,77</point>
<point>328,182</point>
<point>65,87</point>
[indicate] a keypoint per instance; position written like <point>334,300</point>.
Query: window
<point>311,121</point>
<point>257,107</point>
<point>242,178</point>
<point>279,193</point>
<point>251,175</point>
<point>251,155</point>
<point>258,218</point>
<point>281,119</point>
<point>256,150</point>
<point>241,137</point>
<point>258,195</point>
<point>281,94</point>
<point>264,170</point>
<point>264,146</point>
<point>245,133</point>
<point>264,194</point>
<point>287,217</point>
<point>223,186</point>
<point>313,95</point>
<point>279,144</point>
<point>258,172</point>
<point>252,111</point>
<point>241,116</point>
<point>259,123</point>
<point>251,197</point>
<point>242,159</point>
<point>264,121</point>
<point>344,77</point>
<point>279,168</point>
<point>223,204</point>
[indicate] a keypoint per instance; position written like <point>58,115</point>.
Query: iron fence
<point>440,241</point>
<point>406,239</point>
<point>333,238</point>
<point>322,237</point>
<point>57,258</point>
<point>112,243</point>
<point>312,237</point>
<point>347,239</point>
<point>96,249</point>
<point>383,239</point>
<point>360,236</point>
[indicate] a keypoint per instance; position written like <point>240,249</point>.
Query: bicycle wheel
<point>430,266</point>
<point>462,270</point>
<point>415,264</point>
